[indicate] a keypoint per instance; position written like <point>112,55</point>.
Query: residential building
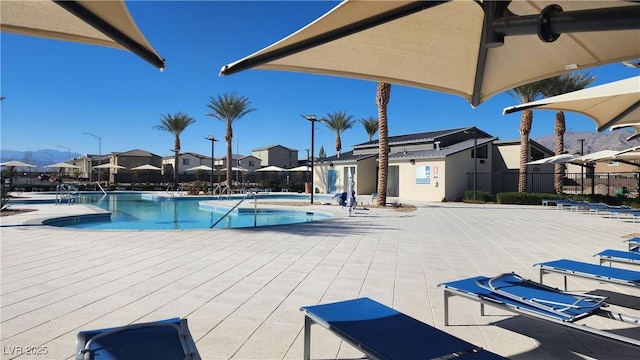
<point>427,166</point>
<point>277,155</point>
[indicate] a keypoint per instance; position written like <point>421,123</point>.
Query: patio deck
<point>241,289</point>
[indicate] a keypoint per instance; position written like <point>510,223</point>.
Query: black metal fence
<point>610,184</point>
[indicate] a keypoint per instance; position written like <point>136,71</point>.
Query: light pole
<point>213,159</point>
<point>99,152</point>
<point>581,167</point>
<point>68,150</point>
<point>312,119</point>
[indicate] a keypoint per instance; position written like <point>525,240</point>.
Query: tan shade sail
<point>438,45</point>
<point>105,23</point>
<point>633,126</point>
<point>616,103</point>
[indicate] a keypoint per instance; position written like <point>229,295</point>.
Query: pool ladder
<point>255,209</point>
<point>66,191</point>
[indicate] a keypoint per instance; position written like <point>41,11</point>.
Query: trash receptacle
<point>307,188</point>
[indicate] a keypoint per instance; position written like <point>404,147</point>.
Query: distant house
<point>187,160</point>
<point>127,159</point>
<point>277,155</point>
<point>250,162</point>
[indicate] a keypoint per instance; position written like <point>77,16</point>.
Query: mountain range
<point>611,140</point>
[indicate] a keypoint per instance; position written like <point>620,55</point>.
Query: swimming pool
<point>136,211</point>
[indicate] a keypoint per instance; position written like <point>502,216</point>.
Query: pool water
<point>133,211</point>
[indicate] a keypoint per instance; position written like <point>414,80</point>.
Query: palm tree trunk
<point>525,129</point>
<point>382,99</point>
<point>338,145</point>
<point>560,127</point>
<point>229,138</point>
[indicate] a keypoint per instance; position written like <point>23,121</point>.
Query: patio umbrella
<point>105,23</point>
<point>238,168</point>
<point>615,103</point>
<point>271,168</point>
<point>300,168</point>
<point>445,45</point>
<point>109,166</point>
<point>147,167</point>
<point>557,159</point>
<point>199,167</point>
<point>13,164</point>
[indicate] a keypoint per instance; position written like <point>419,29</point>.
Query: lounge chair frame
<point>471,289</point>
<point>619,256</point>
<point>590,271</point>
<point>381,332</point>
<point>86,339</point>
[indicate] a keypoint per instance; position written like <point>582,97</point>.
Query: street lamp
<point>68,150</point>
<point>581,167</point>
<point>99,153</point>
<point>312,119</point>
<point>213,159</point>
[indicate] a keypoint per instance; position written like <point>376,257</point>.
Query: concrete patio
<point>241,289</point>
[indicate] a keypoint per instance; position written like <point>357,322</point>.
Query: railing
<point>66,191</point>
<point>101,189</point>
<point>255,209</point>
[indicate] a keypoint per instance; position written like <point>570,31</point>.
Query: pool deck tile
<point>241,289</point>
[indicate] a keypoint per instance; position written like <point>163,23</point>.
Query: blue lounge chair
<point>634,244</point>
<point>525,297</point>
<point>590,271</point>
<point>381,332</point>
<point>619,256</point>
<point>160,340</point>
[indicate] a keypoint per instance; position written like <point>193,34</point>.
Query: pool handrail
<point>255,209</point>
<point>101,189</point>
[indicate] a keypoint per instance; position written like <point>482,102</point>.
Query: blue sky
<point>57,90</point>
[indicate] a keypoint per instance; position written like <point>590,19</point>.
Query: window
<point>482,152</point>
<point>251,163</point>
<point>185,161</point>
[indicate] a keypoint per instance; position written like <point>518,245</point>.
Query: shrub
<point>481,196</point>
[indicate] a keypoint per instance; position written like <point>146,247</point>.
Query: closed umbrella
<point>474,49</point>
<point>105,23</point>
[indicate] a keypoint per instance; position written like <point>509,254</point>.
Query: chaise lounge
<point>619,256</point>
<point>381,332</point>
<point>590,271</point>
<point>159,340</point>
<point>525,297</point>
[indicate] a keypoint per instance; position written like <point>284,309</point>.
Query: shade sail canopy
<point>272,168</point>
<point>300,168</point>
<point>199,167</point>
<point>633,126</point>
<point>238,168</point>
<point>616,103</point>
<point>602,155</point>
<point>631,154</point>
<point>557,159</point>
<point>109,166</point>
<point>105,23</point>
<point>146,167</point>
<point>63,165</point>
<point>439,45</point>
<point>16,163</point>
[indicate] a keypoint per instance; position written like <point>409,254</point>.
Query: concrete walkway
<point>241,289</point>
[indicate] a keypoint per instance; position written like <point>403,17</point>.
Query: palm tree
<point>556,86</point>
<point>370,126</point>
<point>228,108</point>
<point>383,94</point>
<point>338,122</point>
<point>175,124</point>
<point>525,93</point>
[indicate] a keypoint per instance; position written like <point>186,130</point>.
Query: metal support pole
<point>475,165</point>
<point>213,159</point>
<point>99,152</point>
<point>312,119</point>
<point>581,167</point>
